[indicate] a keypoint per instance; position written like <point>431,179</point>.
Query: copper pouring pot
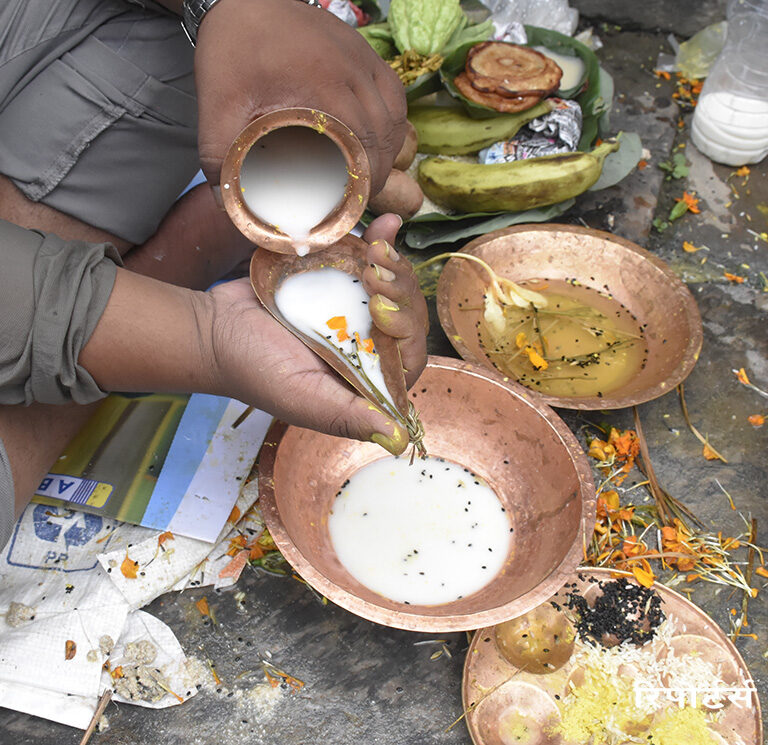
<point>269,270</point>
<point>341,219</point>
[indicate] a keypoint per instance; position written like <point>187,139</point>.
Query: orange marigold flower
<point>742,376</point>
<point>733,277</point>
<point>756,420</point>
<point>691,201</point>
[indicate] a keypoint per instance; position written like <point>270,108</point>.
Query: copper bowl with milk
<point>504,437</point>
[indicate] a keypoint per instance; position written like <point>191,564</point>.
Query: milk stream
<point>422,534</point>
<point>309,299</point>
<point>293,178</point>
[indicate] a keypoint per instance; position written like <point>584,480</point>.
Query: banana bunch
<point>512,187</point>
<point>448,130</point>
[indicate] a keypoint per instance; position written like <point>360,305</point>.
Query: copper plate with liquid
<point>339,222</point>
<point>637,281</point>
<point>500,431</point>
<point>492,702</point>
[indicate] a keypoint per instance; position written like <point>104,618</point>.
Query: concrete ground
<point>369,684</point>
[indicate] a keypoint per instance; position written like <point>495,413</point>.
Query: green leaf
<point>676,167</point>
<point>597,96</point>
<point>659,224</point>
<point>678,211</point>
<point>595,99</point>
<point>427,230</point>
<point>468,35</point>
<point>379,36</point>
<point>620,164</point>
<point>425,84</point>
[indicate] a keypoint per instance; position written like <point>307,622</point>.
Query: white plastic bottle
<point>730,124</point>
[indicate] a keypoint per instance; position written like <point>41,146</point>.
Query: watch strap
<point>193,11</point>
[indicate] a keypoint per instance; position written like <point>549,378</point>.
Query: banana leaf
<point>423,86</point>
<point>427,230</point>
<point>620,164</point>
<point>595,99</point>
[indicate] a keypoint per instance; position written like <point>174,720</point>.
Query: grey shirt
<point>53,294</point>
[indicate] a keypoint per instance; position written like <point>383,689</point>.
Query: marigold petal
<point>643,577</point>
<point>129,567</point>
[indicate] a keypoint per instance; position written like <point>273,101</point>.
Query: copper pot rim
<point>474,655</point>
<point>411,621</point>
<point>583,403</point>
<point>339,222</point>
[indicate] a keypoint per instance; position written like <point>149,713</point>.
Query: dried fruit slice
<point>511,70</point>
<point>506,104</point>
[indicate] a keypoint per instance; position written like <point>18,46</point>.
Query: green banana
<point>512,187</point>
<point>447,130</point>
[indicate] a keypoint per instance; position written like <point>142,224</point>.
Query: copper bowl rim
<point>584,403</point>
<point>339,222</point>
<point>402,619</point>
<point>605,574</point>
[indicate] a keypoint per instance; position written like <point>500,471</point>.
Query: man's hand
<point>156,337</point>
<point>258,361</point>
<point>254,56</point>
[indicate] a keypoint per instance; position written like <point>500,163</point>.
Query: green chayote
<point>423,25</point>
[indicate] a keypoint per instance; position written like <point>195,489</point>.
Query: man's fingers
<point>328,406</point>
<point>383,228</point>
<point>382,140</point>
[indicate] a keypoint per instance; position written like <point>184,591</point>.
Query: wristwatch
<point>193,12</point>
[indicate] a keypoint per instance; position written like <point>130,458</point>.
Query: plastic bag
<point>696,56</point>
<point>556,15</point>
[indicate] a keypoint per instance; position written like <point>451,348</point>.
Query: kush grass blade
<point>656,491</point>
<point>703,440</point>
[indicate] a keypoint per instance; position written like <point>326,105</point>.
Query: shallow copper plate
<point>487,675</point>
<point>502,432</point>
<point>642,283</point>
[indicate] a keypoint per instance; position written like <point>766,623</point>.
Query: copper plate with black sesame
<point>624,280</point>
<point>497,430</point>
<point>508,703</point>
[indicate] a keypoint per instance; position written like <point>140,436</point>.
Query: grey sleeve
<point>7,507</point>
<point>52,295</point>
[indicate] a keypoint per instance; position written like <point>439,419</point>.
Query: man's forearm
<point>150,337</point>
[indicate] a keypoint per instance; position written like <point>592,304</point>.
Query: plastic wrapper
<point>696,56</point>
<point>556,132</point>
<point>556,15</point>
